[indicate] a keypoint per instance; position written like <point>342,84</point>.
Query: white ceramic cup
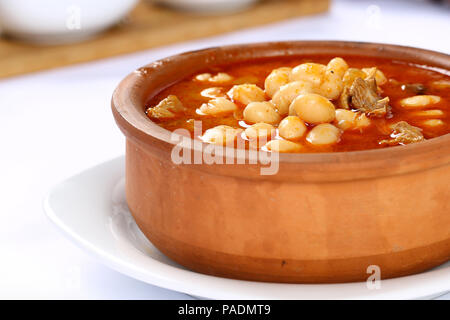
<point>60,21</point>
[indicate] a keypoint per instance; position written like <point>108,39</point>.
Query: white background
<point>57,123</point>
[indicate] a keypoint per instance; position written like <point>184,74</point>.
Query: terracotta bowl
<point>323,218</point>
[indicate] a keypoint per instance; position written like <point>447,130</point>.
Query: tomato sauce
<point>400,74</point>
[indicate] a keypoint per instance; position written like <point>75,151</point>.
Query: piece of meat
<point>363,96</point>
<point>404,133</point>
<point>160,113</point>
<point>349,77</point>
<point>416,88</point>
<point>166,108</point>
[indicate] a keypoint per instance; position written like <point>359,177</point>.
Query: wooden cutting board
<point>148,26</point>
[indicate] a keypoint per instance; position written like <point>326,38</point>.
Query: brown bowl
<point>323,218</point>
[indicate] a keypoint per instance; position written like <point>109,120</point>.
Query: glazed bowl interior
<point>132,94</point>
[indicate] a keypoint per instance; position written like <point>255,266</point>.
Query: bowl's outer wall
<point>290,232</point>
<point>324,218</point>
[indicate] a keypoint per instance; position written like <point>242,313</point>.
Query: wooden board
<point>148,26</point>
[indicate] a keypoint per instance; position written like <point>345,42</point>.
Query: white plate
<point>90,208</point>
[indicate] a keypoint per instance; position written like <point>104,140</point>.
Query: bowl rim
<point>136,125</point>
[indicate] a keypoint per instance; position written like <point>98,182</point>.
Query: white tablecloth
<point>46,136</point>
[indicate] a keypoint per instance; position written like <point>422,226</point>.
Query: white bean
<point>429,113</point>
<point>221,77</point>
<point>214,92</point>
<point>276,79</point>
<point>217,106</point>
<point>324,80</point>
<point>246,93</point>
<point>323,134</point>
<point>259,130</point>
<point>309,72</point>
<point>441,84</point>
<point>338,66</point>
<point>203,77</point>
<point>314,108</point>
<point>433,123</point>
<point>287,93</point>
<point>346,119</point>
<point>221,135</point>
<point>292,128</point>
<point>261,112</point>
<point>332,85</point>
<point>283,146</point>
<point>419,101</point>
